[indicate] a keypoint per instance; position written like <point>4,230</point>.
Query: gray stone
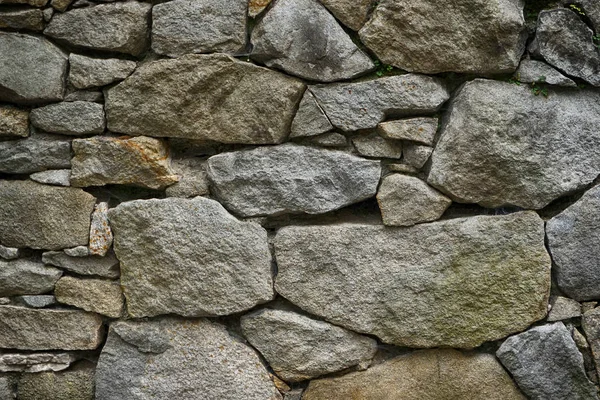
<point>546,364</point>
<point>35,362</point>
<point>83,251</point>
<point>406,200</point>
<point>209,97</point>
<point>101,236</point>
<point>121,27</point>
<point>74,384</point>
<point>48,13</point>
<point>563,308</point>
<point>87,72</point>
<point>94,96</point>
<point>26,19</point>
<point>70,118</point>
<point>538,71</point>
<point>291,179</point>
<point>32,70</point>
<point>42,216</point>
<point>106,267</point>
<point>501,145</point>
<point>303,39</point>
<point>256,7</point>
<point>36,153</point>
<point>14,122</point>
<point>193,178</point>
<point>94,295</point>
<point>329,139</point>
<point>5,300</point>
<point>26,277</point>
<point>176,359</point>
<point>61,5</point>
<point>573,241</point>
<point>363,105</point>
<point>416,155</point>
<point>418,130</point>
<point>310,120</point>
<point>34,3</point>
<point>352,13</point>
<point>299,347</point>
<point>591,9</point>
<point>36,301</point>
<point>373,145</point>
<point>209,263</point>
<point>468,36</point>
<point>57,177</point>
<point>400,167</point>
<point>586,351</point>
<point>139,161</point>
<point>448,283</point>
<point>294,394</point>
<point>8,383</point>
<point>45,329</point>
<point>9,253</point>
<point>199,26</point>
<point>591,326</point>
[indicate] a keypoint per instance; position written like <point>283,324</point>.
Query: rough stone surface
<point>31,329</point>
<point>8,384</point>
<point>32,70</point>
<point>26,19</point>
<point>204,26</point>
<point>501,145</point>
<point>426,374</point>
<point>456,283</point>
<point>352,13</point>
<point>310,120</point>
<point>36,301</point>
<point>193,178</point>
<point>591,326</point>
<point>169,358</point>
<point>35,362</point>
<point>70,118</point>
<point>373,145</point>
<point>329,139</point>
<point>26,277</point>
<point>83,251</point>
<point>363,105</point>
<point>95,96</point>
<point>14,122</point>
<point>101,236</point>
<point>563,308</point>
<point>106,267</point>
<point>57,177</point>
<point>94,295</point>
<point>60,5</point>
<point>255,7</point>
<point>546,364</point>
<point>74,384</point>
<point>87,72</point>
<point>470,36</point>
<point>416,155</point>
<point>538,71</point>
<point>419,130</point>
<point>33,154</point>
<point>34,3</point>
<point>42,216</point>
<point>592,12</point>
<point>9,253</point>
<point>140,161</point>
<point>302,38</point>
<point>299,347</point>
<point>211,97</point>
<point>291,179</point>
<point>189,257</point>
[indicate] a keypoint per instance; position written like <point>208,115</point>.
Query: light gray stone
<point>591,8</point>
<point>501,145</point>
<point>57,177</point>
<point>82,251</point>
<point>26,277</point>
<point>121,27</point>
<point>310,120</point>
<point>291,179</point>
<point>70,118</point>
<point>94,96</point>
<point>101,236</point>
<point>32,69</point>
<point>373,145</point>
<point>448,283</point>
<point>352,13</point>
<point>299,348</point>
<point>36,301</point>
<point>48,13</point>
<point>563,308</point>
<point>538,71</point>
<point>106,267</point>
<point>176,359</point>
<point>209,263</point>
<point>74,384</point>
<point>5,300</point>
<point>30,19</point>
<point>546,364</point>
<point>418,130</point>
<point>42,216</point>
<point>9,253</point>
<point>329,139</point>
<point>35,153</point>
<point>35,362</point>
<point>199,26</point>
<point>193,178</point>
<point>586,351</point>
<point>591,326</point>
<point>8,383</point>
<point>87,72</point>
<point>416,155</point>
<point>363,105</point>
<point>210,97</point>
<point>94,295</point>
<point>14,122</point>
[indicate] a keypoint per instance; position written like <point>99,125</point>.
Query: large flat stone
<point>35,362</point>
<point>22,19</point>
<point>105,266</point>
<point>35,153</point>
<point>94,295</point>
<point>87,72</point>
<point>352,13</point>
<point>70,118</point>
<point>24,276</point>
<point>74,384</point>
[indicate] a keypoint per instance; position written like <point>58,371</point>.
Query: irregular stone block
<point>70,118</point>
<point>61,5</point>
<point>94,96</point>
<point>538,71</point>
<point>418,130</point>
<point>35,362</point>
<point>57,177</point>
<point>14,122</point>
<point>26,277</point>
<point>36,301</point>
<point>193,178</point>
<point>352,13</point>
<point>26,19</point>
<point>255,7</point>
<point>94,295</point>
<point>74,384</point>
<point>310,120</point>
<point>416,155</point>
<point>82,251</point>
<point>9,253</point>
<point>33,154</point>
<point>563,308</point>
<point>87,72</point>
<point>101,237</point>
<point>374,145</point>
<point>106,267</point>
<point>591,326</point>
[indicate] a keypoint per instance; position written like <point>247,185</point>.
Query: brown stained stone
<point>14,122</point>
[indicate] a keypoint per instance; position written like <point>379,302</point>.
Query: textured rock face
<point>169,358</point>
<point>14,122</point>
<point>546,364</point>
<point>255,7</point>
<point>209,263</point>
<point>86,72</point>
<point>591,327</point>
<point>310,120</point>
<point>416,155</point>
<point>75,384</point>
<point>70,118</point>
<point>448,374</point>
<point>44,217</point>
<point>101,236</point>
<point>106,267</point>
<point>291,179</point>
<point>32,69</point>
<point>390,282</point>
<point>26,19</point>
<point>58,177</point>
<point>94,295</point>
<point>140,161</point>
<point>36,301</point>
<point>299,347</point>
<point>8,386</point>
<point>33,154</point>
<point>563,308</point>
<point>528,150</point>
<point>419,130</point>
<point>26,277</point>
<point>211,97</point>
<point>303,39</point>
<point>374,145</point>
<point>193,179</point>
<point>118,27</point>
<point>192,26</point>
<point>35,362</point>
<point>481,36</point>
<point>362,105</point>
<point>538,71</point>
<point>352,13</point>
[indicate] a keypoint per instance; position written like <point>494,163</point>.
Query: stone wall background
<point>299,199</point>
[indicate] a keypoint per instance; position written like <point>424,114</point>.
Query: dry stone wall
<point>299,199</point>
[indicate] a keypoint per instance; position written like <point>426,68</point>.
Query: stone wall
<point>299,199</point>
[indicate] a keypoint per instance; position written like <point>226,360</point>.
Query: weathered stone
<point>291,179</point>
<point>352,13</point>
<point>57,177</point>
<point>94,295</point>
<point>9,253</point>
<point>140,161</point>
<point>8,383</point>
<point>591,326</point>
<point>419,130</point>
<point>588,359</point>
<point>210,97</point>
<point>303,39</point>
<point>94,96</point>
<point>363,105</point>
<point>329,139</point>
<point>294,394</point>
<point>574,242</point>
<point>406,200</point>
<point>193,178</point>
<point>86,72</point>
<point>42,216</point>
<point>32,70</point>
<point>47,12</point>
<point>299,347</point>
<point>5,300</point>
<point>61,5</point>
<point>255,7</point>
<point>14,122</point>
<point>83,251</point>
<point>546,364</point>
<point>36,301</point>
<point>45,329</point>
<point>483,37</point>
<point>189,257</point>
<point>70,118</point>
<point>538,71</point>
<point>74,384</point>
<point>563,308</point>
<point>425,374</point>
<point>449,283</point>
<point>199,26</point>
<point>373,145</point>
<point>176,359</point>
<point>416,155</point>
<point>121,27</point>
<point>591,8</point>
<point>101,236</point>
<point>106,267</point>
<point>35,362</point>
<point>26,277</point>
<point>36,153</point>
<point>501,145</point>
<point>34,3</point>
<point>27,19</point>
<point>400,167</point>
<point>310,120</point>
<point>565,41</point>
